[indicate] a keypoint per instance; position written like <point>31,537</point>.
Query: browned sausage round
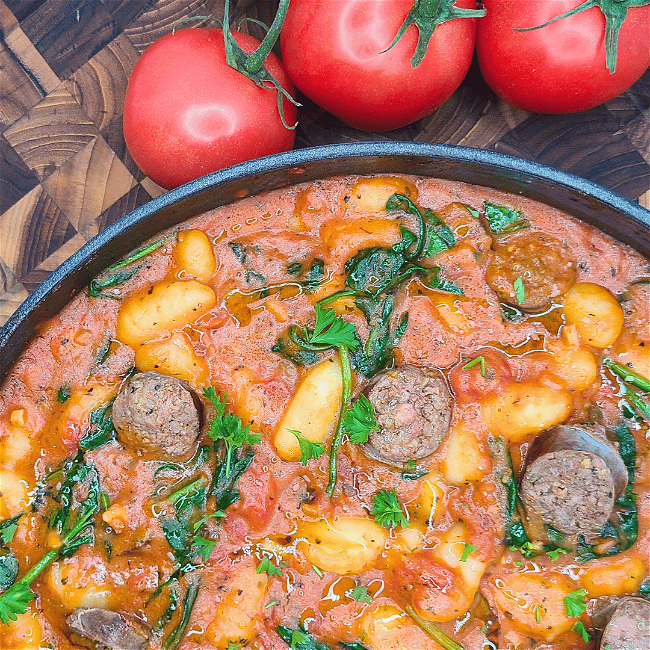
<point>626,625</point>
<point>157,415</point>
<point>413,409</point>
<point>529,270</point>
<point>109,629</point>
<point>572,478</point>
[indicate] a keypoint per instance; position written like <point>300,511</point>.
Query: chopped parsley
<point>360,594</point>
<point>266,566</point>
<point>580,629</point>
<point>466,552</point>
<point>332,330</point>
<point>387,509</point>
<point>228,427</point>
<point>203,547</point>
<point>359,420</point>
<point>474,362</point>
<point>574,603</point>
<point>520,290</point>
<point>308,449</point>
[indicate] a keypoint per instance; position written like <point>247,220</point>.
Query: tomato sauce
<point>282,554</point>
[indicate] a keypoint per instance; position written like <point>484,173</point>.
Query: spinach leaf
<point>399,202</point>
<point>433,279</point>
<point>313,276</point>
<point>438,236</point>
<point>298,639</point>
<point>623,525</point>
<point>289,345</point>
<point>8,569</point>
<point>225,478</point>
<point>114,276</point>
<point>644,589</point>
<point>372,270</point>
<point>173,640</point>
<point>502,220</point>
<point>377,352</point>
<point>102,431</point>
<point>184,508</point>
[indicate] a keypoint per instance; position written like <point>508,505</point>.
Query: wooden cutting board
<point>65,172</point>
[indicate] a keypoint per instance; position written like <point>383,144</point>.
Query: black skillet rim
<point>609,211</point>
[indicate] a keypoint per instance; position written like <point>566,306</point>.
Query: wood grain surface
<point>65,172</point>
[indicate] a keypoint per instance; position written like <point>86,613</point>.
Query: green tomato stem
<point>615,12</point>
<point>256,60</point>
<point>346,372</point>
<point>426,15</point>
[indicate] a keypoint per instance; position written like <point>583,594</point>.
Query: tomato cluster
<point>375,64</point>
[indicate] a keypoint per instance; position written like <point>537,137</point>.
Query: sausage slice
<point>157,415</point>
<point>625,625</point>
<point>572,477</point>
<point>544,267</point>
<point>109,629</point>
<point>413,409</point>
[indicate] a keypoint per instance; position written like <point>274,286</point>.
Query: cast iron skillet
<point>612,213</point>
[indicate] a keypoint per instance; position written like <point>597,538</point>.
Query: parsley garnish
<point>332,330</point>
<point>203,547</point>
<point>268,567</point>
<point>317,571</point>
<point>474,362</point>
<point>360,594</point>
<point>228,427</point>
<point>574,603</point>
<point>520,290</point>
<point>538,613</point>
<point>308,449</point>
<point>466,551</point>
<point>387,509</point>
<point>71,520</point>
<point>554,553</point>
<point>359,420</point>
<point>580,629</point>
<point>8,529</point>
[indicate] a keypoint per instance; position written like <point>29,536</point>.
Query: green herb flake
<point>538,613</point>
<point>580,629</point>
<point>360,594</point>
<point>502,220</point>
<point>574,603</point>
<point>317,571</point>
<point>359,420</point>
<point>387,509</point>
<point>228,427</point>
<point>203,547</point>
<point>331,329</point>
<point>266,566</point>
<point>520,290</point>
<point>63,394</point>
<point>554,553</point>
<point>474,362</point>
<point>308,449</point>
<point>273,602</point>
<point>8,529</point>
<point>466,552</point>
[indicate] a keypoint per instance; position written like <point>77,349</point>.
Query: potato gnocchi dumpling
<point>377,413</point>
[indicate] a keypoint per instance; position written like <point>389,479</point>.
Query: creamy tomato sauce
<point>490,333</point>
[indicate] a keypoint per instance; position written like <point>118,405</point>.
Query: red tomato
<point>187,112</point>
<point>333,52</point>
<point>559,68</point>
